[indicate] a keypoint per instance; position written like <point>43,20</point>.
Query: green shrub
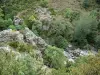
<point>72,15</point>
<point>53,57</point>
<point>4,24</point>
<point>1,13</point>
<point>53,11</point>
<point>20,27</point>
<point>61,42</point>
<point>85,66</point>
<point>16,27</point>
<point>97,1</point>
<point>75,16</point>
<point>85,31</point>
<point>12,27</point>
<point>37,27</point>
<point>86,3</point>
<point>11,65</point>
<point>54,28</point>
<point>44,3</point>
<point>21,47</point>
<point>68,13</point>
<point>97,41</point>
<point>59,72</point>
<point>99,27</point>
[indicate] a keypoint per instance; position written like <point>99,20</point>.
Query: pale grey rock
<point>72,53</point>
<point>31,38</point>
<point>10,35</point>
<point>17,20</point>
<point>43,14</point>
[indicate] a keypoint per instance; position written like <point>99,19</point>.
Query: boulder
<point>17,20</point>
<point>43,14</point>
<point>10,35</point>
<point>31,38</point>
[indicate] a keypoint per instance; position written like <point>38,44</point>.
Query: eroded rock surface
<point>10,35</point>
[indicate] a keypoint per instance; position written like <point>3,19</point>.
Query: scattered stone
<point>72,53</point>
<point>17,20</point>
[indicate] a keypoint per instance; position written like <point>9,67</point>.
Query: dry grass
<point>63,4</point>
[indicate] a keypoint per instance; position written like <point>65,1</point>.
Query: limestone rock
<point>43,14</point>
<point>10,35</point>
<point>31,38</point>
<point>17,21</point>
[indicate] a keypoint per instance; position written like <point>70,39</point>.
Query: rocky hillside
<point>49,37</point>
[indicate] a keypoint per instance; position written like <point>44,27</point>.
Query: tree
<point>85,31</point>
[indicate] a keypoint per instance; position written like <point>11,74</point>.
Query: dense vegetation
<point>80,28</point>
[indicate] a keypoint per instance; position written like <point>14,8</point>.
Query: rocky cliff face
<point>25,36</point>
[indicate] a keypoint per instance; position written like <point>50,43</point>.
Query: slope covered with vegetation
<point>30,23</point>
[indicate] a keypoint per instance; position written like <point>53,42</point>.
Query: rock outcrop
<point>31,38</point>
<point>25,36</point>
<point>10,35</point>
<point>72,53</point>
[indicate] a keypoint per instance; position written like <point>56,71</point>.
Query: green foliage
<point>21,47</point>
<point>97,41</point>
<point>16,27</point>
<point>20,27</point>
<point>1,13</point>
<point>60,28</point>
<point>54,29</point>
<point>97,1</point>
<point>99,27</point>
<point>12,27</point>
<point>53,11</point>
<point>59,72</point>
<point>61,42</point>
<point>44,3</point>
<point>13,7</point>
<point>85,31</point>
<point>75,16</point>
<point>4,24</point>
<point>85,66</point>
<point>68,13</point>
<point>53,57</point>
<point>11,65</point>
<point>72,15</point>
<point>86,3</point>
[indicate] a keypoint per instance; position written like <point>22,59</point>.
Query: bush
<point>59,72</point>
<point>16,27</point>
<point>53,11</point>
<point>44,3</point>
<point>85,31</point>
<point>72,15</point>
<point>11,65</point>
<point>52,30</point>
<point>54,57</point>
<point>68,13</point>
<point>1,13</point>
<point>86,67</point>
<point>21,47</point>
<point>4,24</point>
<point>12,27</point>
<point>61,42</point>
<point>86,3</point>
<point>97,41</point>
<point>98,1</point>
<point>37,27</point>
<point>60,28</point>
